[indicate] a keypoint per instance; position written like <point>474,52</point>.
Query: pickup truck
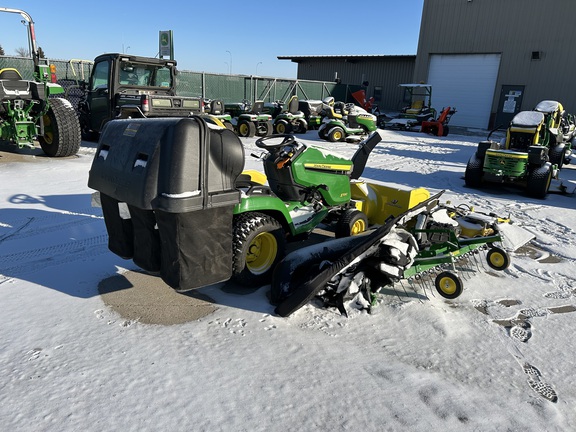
<point>128,86</point>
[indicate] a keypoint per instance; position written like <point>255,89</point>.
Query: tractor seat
<point>258,107</point>
<point>547,106</point>
<point>216,107</point>
<point>10,74</point>
<point>416,107</point>
<point>12,86</point>
<point>527,119</point>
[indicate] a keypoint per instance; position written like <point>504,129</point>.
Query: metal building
<point>378,74</point>
<point>493,58</point>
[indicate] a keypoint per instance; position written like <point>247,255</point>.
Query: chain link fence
<point>229,88</point>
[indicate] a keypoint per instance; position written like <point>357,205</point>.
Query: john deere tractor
<point>28,109</point>
<point>528,156</point>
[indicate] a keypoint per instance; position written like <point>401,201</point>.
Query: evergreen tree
<point>41,53</point>
<point>2,50</point>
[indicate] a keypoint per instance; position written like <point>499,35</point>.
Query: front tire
<point>352,222</point>
<point>302,127</point>
<point>246,128</point>
<point>62,135</point>
<point>282,127</point>
<point>335,134</point>
<point>259,244</point>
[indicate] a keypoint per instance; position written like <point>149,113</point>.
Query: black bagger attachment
<point>167,193</point>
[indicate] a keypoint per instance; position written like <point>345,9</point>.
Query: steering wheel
<point>287,139</point>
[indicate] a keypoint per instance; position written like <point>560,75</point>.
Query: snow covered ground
<point>483,362</point>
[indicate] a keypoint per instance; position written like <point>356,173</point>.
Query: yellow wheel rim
<point>447,285</point>
<point>358,227</point>
<point>48,134</point>
<point>280,128</point>
<point>261,253</point>
<point>497,259</point>
<point>243,129</point>
<point>337,135</point>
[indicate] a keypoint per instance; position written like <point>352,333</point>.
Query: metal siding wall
<point>383,72</point>
<point>514,28</point>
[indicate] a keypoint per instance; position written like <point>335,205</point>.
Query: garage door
<point>466,82</point>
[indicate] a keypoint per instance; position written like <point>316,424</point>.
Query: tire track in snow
<point>21,263</point>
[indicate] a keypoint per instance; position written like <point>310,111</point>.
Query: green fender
<point>298,218</point>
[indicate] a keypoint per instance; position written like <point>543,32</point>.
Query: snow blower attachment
<point>428,244</point>
<point>167,189</point>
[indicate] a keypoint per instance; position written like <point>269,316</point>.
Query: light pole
<point>230,73</point>
<point>227,67</point>
<point>25,24</point>
<point>124,50</point>
<point>257,64</point>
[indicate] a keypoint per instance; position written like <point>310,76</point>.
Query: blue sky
<point>244,37</point>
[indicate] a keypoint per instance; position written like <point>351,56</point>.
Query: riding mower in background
<point>249,119</point>
<point>523,157</point>
<point>35,109</point>
<point>313,112</point>
<point>291,120</point>
<point>349,126</point>
<point>214,109</point>
<point>419,110</point>
<point>559,133</point>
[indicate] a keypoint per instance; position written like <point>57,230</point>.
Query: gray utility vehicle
<point>124,86</point>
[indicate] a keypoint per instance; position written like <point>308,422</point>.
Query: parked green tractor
<point>29,112</point>
<point>291,120</point>
<point>523,157</point>
<point>249,118</point>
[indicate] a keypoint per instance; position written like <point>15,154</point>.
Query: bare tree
<point>41,53</point>
<point>22,52</point>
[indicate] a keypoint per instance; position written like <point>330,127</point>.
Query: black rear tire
<point>539,180</point>
<point>259,244</point>
<point>474,172</point>
<point>62,135</point>
<point>557,155</point>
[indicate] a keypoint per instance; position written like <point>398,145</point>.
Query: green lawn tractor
<point>29,111</point>
<point>523,157</point>
<point>559,133</point>
<point>305,186</point>
<point>249,119</point>
<point>313,112</point>
<point>291,120</point>
<point>349,126</point>
<point>214,109</point>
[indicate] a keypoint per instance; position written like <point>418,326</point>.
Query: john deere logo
<point>502,162</point>
<point>164,39</point>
